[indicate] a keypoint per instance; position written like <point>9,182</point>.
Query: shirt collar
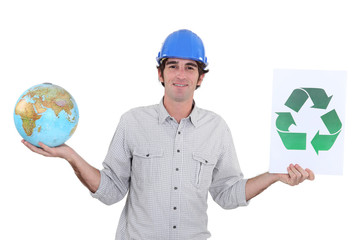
<point>194,115</point>
<point>163,114</point>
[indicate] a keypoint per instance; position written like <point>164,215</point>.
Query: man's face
<point>181,76</point>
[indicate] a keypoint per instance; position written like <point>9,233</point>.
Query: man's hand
<point>296,175</point>
<point>86,173</point>
<point>62,151</point>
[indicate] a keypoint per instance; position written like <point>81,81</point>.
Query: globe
<point>46,113</point>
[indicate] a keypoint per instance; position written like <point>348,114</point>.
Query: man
<point>167,157</point>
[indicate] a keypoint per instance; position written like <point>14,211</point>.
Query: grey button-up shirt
<point>167,169</point>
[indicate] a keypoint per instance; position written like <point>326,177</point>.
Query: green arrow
<point>332,121</point>
<point>299,96</point>
<point>323,142</point>
<point>297,99</point>
<point>333,124</point>
<point>318,97</point>
<point>293,141</point>
<point>284,121</point>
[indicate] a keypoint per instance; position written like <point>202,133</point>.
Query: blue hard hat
<point>183,44</point>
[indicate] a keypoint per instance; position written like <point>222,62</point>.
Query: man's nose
<point>181,73</point>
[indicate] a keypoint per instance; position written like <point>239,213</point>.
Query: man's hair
<point>201,69</point>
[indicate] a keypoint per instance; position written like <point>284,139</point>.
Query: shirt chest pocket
<point>204,166</point>
<point>142,165</point>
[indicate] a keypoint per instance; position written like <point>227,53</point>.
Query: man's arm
<point>296,175</point>
<point>86,173</point>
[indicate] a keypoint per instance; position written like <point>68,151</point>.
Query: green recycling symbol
<point>297,140</point>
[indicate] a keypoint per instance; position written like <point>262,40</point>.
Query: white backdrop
<point>103,53</point>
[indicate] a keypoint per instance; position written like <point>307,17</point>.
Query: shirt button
<point>174,208</point>
<point>179,132</point>
<point>175,188</point>
<point>177,169</point>
<point>174,227</point>
<point>178,150</point>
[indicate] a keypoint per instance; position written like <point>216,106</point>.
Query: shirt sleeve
<point>115,177</point>
<point>228,183</point>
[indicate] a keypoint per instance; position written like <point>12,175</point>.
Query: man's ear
<point>160,76</point>
<point>201,78</point>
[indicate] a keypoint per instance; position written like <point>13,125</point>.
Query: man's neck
<point>178,110</point>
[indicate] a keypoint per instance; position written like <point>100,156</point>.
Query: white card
<point>307,122</point>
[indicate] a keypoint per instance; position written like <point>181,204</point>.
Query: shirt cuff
<point>242,193</point>
<point>101,190</point>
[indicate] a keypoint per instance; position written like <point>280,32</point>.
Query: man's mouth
<point>180,85</point>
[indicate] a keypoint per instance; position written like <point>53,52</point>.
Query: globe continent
<point>46,113</point>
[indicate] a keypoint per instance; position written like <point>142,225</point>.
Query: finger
<point>304,174</point>
<point>292,175</point>
<point>35,149</point>
<point>311,174</point>
<point>45,147</point>
<point>298,177</point>
<point>29,145</point>
<point>49,150</point>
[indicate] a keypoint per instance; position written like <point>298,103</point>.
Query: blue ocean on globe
<point>46,113</point>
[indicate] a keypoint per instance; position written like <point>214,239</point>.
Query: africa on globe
<point>46,113</point>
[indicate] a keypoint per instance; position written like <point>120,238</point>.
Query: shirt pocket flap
<point>204,158</point>
<point>145,153</point>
